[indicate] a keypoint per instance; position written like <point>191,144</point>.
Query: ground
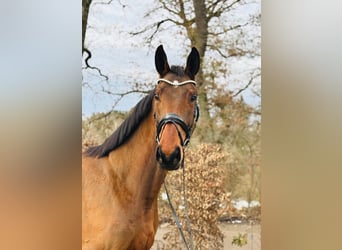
<point>229,231</point>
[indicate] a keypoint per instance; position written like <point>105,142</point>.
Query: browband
<point>176,83</point>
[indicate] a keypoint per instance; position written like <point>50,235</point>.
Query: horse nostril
<point>158,154</point>
<point>170,161</point>
<point>176,154</point>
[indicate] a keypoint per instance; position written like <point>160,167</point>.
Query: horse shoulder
<point>97,207</point>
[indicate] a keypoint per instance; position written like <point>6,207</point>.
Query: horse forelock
<point>177,70</point>
<point>125,130</point>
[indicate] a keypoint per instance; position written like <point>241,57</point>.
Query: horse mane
<point>125,130</point>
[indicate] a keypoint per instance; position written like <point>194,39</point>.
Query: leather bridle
<point>176,119</point>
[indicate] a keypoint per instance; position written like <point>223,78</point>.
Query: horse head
<point>175,108</point>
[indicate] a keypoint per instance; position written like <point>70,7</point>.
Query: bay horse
<point>121,178</point>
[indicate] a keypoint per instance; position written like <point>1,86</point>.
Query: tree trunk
<point>199,38</point>
<point>201,20</point>
<point>85,11</point>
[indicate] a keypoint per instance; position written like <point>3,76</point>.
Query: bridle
<point>176,119</point>
<point>175,82</point>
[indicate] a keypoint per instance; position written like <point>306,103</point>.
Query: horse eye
<point>193,98</point>
<point>156,96</point>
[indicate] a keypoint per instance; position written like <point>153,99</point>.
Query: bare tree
<point>209,26</point>
<point>206,27</point>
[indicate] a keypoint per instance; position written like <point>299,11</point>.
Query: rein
<point>179,226</point>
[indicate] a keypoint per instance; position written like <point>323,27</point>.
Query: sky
<point>126,59</point>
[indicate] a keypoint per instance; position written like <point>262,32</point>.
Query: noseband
<point>176,119</point>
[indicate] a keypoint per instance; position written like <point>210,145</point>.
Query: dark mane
<point>125,130</point>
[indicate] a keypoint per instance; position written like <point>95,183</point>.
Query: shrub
<point>204,178</point>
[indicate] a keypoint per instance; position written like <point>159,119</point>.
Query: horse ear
<point>192,63</point>
<point>160,60</point>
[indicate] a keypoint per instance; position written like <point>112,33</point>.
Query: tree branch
<point>156,26</point>
<point>220,10</point>
<point>123,94</point>
<point>169,9</point>
<point>235,52</point>
<point>213,5</point>
<point>230,28</point>
<point>248,84</point>
<point>109,2</point>
<point>89,55</point>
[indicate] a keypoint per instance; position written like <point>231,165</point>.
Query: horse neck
<point>138,169</point>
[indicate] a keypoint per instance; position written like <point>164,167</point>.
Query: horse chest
<point>144,236</point>
<point>132,232</point>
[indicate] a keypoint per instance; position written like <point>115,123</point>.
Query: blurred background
<point>42,83</point>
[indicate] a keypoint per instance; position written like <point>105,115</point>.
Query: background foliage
<point>204,178</point>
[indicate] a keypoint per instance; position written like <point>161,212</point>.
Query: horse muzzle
<point>171,161</point>
<point>170,142</point>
